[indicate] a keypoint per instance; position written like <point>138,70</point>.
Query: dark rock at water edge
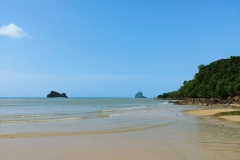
<point>232,102</point>
<point>54,94</point>
<point>139,95</point>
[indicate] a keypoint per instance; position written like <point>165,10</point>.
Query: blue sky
<point>111,48</point>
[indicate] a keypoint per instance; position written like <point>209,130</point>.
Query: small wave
<point>94,112</point>
<point>135,107</point>
<point>96,116</point>
<point>118,114</point>
<point>165,103</point>
<point>26,115</point>
<point>152,110</point>
<point>32,115</point>
<point>123,109</point>
<point>104,116</point>
<point>40,120</point>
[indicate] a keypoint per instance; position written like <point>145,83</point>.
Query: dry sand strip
<point>210,112</point>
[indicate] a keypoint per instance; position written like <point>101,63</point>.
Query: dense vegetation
<point>219,79</point>
<point>54,94</point>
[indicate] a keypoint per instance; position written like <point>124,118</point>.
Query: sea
<point>59,116</point>
<point>135,119</point>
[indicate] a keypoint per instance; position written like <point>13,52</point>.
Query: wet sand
<point>210,112</point>
<point>142,145</point>
<point>231,118</point>
<point>185,138</point>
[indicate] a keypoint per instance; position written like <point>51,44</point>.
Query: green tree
<point>218,79</point>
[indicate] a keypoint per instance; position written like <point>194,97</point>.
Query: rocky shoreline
<point>230,102</point>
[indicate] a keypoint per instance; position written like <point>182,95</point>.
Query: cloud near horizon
<point>13,31</point>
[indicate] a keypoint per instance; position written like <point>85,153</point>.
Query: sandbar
<point>231,118</point>
<point>211,112</point>
<point>208,112</point>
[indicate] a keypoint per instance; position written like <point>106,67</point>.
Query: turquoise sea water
<point>147,120</point>
<point>82,115</point>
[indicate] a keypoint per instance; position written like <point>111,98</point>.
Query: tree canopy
<point>219,79</point>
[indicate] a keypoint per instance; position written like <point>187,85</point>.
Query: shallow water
<point>153,128</point>
<point>20,116</point>
<point>232,113</point>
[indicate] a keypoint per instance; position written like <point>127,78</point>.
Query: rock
<point>54,94</point>
<point>139,95</point>
<point>235,105</point>
<point>213,102</point>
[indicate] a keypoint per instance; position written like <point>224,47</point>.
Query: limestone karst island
<point>54,94</point>
<point>139,95</point>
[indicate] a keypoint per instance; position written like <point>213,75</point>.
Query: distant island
<point>139,95</point>
<point>54,94</point>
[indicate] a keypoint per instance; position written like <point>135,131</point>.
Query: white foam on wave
<point>118,114</point>
<point>135,107</point>
<point>26,115</point>
<point>40,120</point>
<point>165,103</point>
<point>123,109</point>
<point>152,110</point>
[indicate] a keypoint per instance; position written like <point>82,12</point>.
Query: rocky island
<point>54,94</point>
<point>139,95</point>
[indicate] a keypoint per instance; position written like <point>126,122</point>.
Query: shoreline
<point>212,102</point>
<point>230,104</point>
<point>212,112</point>
<point>220,106</point>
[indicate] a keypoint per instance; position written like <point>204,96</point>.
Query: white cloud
<point>13,31</point>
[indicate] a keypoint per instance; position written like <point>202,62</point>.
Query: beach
<point>134,129</point>
<point>211,112</point>
<point>140,145</point>
<point>208,112</point>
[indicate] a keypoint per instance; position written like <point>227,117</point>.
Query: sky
<point>111,48</point>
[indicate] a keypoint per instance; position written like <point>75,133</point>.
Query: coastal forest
<point>219,79</point>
